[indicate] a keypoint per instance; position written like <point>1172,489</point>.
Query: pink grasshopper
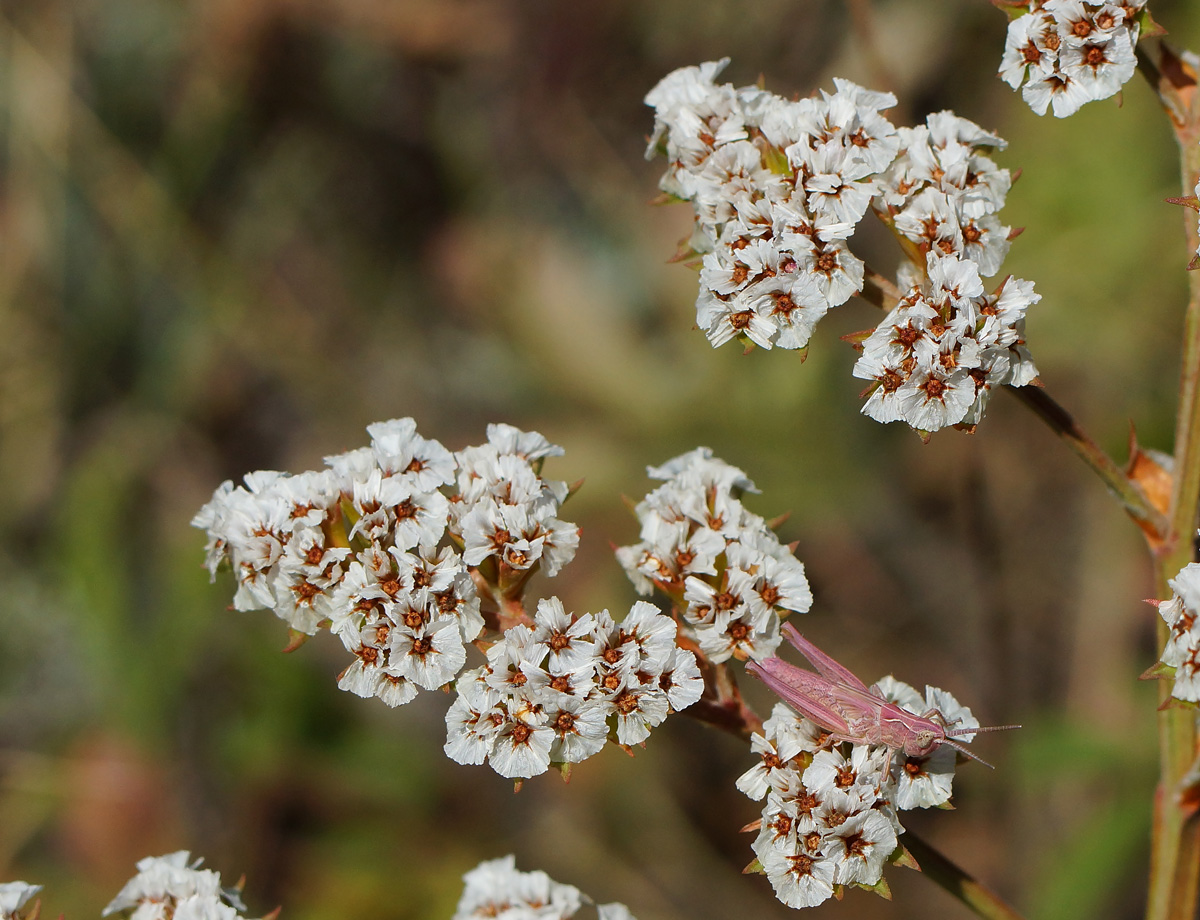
<point>842,704</point>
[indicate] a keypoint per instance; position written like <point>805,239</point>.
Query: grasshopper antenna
<point>983,728</point>
<point>972,731</point>
<point>958,747</point>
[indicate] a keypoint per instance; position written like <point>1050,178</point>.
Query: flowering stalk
<point>1175,856</point>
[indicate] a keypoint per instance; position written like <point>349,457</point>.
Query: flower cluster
<point>555,693</point>
<point>391,546</point>
<point>779,186</point>
<point>830,816</point>
<point>1182,615</point>
<point>937,356</point>
<point>1064,53</point>
<point>495,890</point>
<point>942,192</point>
<point>717,560</point>
<point>14,900</point>
<point>175,888</point>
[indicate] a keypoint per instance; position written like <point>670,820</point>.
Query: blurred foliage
<point>232,234</point>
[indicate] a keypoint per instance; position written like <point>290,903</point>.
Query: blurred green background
<point>234,233</point>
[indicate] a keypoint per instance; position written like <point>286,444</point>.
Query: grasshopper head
<point>923,741</point>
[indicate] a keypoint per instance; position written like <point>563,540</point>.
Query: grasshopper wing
<point>829,668</point>
<point>811,695</point>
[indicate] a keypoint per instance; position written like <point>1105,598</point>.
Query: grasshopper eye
<point>921,743</point>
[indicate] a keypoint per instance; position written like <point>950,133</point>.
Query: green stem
<point>1175,852</point>
<point>1132,499</point>
<point>940,870</point>
<point>1175,847</point>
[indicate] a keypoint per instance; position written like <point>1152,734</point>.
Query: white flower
<point>900,693</point>
<point>707,601</point>
<point>799,879</point>
<point>859,847</point>
<point>700,467</point>
<point>367,677</point>
<point>924,782</point>
<point>472,720</point>
<point>579,727</point>
<point>954,714</point>
<point>521,745</point>
<point>399,451</point>
<point>306,580</point>
<point>528,444</point>
<point>1182,650</point>
<point>788,729</point>
<point>570,640</point>
<point>638,709</point>
<point>832,770</point>
<point>837,272</point>
<point>617,657</point>
<point>680,680</point>
<point>495,890</point>
<point>549,687</point>
<point>653,633</point>
<point>173,876</point>
<point>783,818</point>
<point>740,634</point>
<point>1100,68</point>
<point>1032,43</point>
<point>671,552</point>
<point>520,535</point>
<point>202,908</point>
<point>724,319</point>
<point>508,657</point>
<point>14,896</point>
<point>776,756</point>
<point>392,508</point>
<point>793,303</point>
<point>614,911</point>
<point>772,581</point>
<point>429,656</point>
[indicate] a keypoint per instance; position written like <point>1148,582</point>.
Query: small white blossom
<point>14,896</point>
<point>579,727</point>
<point>680,680</point>
<point>160,877</point>
<point>924,782</point>
<point>777,755</point>
<point>638,709</point>
<point>522,743</point>
<point>496,890</point>
<point>800,879</point>
<point>1182,615</point>
<point>859,847</point>
<point>429,656</point>
<point>473,719</point>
